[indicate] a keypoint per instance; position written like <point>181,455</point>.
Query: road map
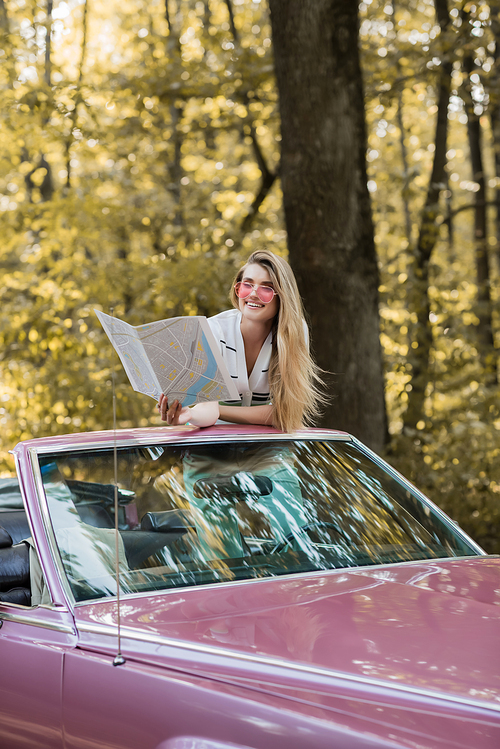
<point>179,357</point>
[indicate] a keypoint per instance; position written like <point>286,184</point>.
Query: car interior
<point>14,551</point>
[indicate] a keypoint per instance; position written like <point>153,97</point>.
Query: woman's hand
<point>200,415</point>
<point>174,413</point>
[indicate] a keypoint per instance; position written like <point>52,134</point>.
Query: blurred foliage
<point>124,184</point>
<point>137,171</point>
<point>452,454</point>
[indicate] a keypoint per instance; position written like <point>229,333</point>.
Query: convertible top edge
<point>130,437</point>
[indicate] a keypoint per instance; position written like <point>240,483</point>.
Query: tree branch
<point>267,183</point>
<point>234,31</point>
<point>268,178</point>
<point>78,96</point>
<point>466,207</point>
<point>262,164</point>
<point>48,61</point>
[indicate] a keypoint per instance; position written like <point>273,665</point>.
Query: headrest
<point>21,596</point>
<point>90,491</point>
<point>5,539</point>
<point>10,495</point>
<point>167,521</point>
<point>14,567</point>
<point>15,523</point>
<point>140,545</point>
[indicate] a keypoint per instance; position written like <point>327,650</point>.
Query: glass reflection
<point>196,515</point>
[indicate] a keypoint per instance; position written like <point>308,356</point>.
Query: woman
<point>264,342</point>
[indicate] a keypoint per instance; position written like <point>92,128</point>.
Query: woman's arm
<point>206,414</point>
<point>247,414</point>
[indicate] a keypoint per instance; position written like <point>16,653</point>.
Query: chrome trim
<point>211,586</point>
<point>35,468</point>
<point>34,622</point>
<point>451,524</point>
<point>373,568</point>
<point>144,636</point>
<point>47,526</point>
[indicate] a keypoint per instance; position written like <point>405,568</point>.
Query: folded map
<point>179,357</point>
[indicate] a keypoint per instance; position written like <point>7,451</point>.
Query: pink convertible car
<point>238,588</point>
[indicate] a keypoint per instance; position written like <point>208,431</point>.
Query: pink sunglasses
<point>243,290</point>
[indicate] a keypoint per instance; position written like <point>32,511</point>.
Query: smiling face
<point>252,308</point>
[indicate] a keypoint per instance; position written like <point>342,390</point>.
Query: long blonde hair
<point>294,378</point>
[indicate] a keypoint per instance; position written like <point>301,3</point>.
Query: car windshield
<point>204,514</point>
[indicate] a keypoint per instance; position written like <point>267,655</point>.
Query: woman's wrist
<point>204,414</point>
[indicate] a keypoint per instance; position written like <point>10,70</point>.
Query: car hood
<point>433,625</point>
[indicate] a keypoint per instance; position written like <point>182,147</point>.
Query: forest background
<point>139,166</point>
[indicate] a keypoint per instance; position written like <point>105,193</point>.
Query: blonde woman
<point>265,344</point>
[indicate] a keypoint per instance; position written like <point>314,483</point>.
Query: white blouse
<point>253,389</point>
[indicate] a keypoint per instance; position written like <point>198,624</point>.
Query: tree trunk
<point>6,44</point>
<point>46,188</point>
<point>173,48</point>
<point>78,96</point>
<point>485,342</point>
<point>326,202</point>
<point>402,144</point>
<point>494,111</point>
<point>419,353</point>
